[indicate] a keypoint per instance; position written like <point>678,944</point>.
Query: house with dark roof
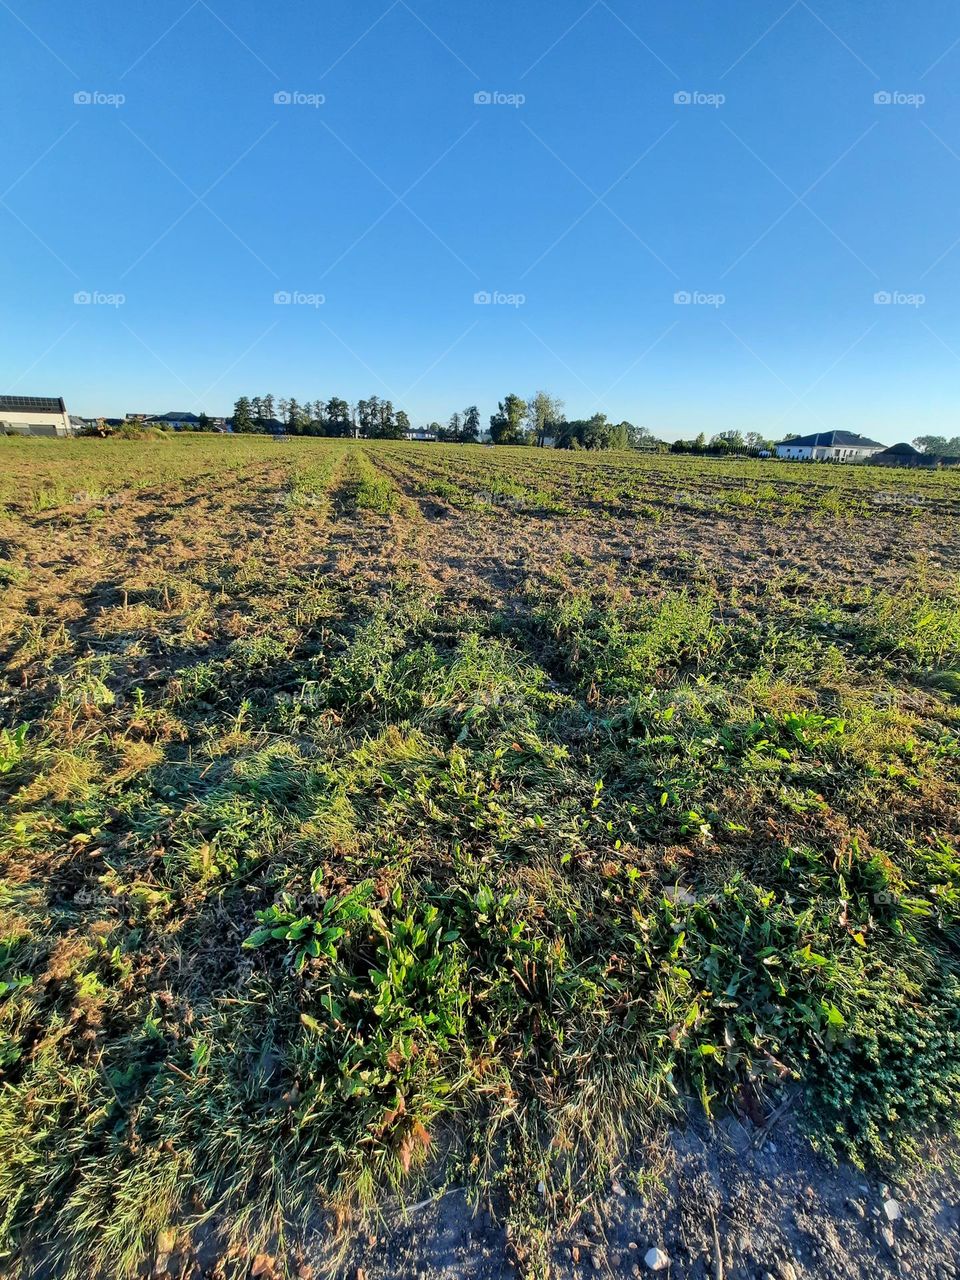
<point>35,416</point>
<point>829,446</point>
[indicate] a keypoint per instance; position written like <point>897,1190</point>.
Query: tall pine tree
<point>242,418</point>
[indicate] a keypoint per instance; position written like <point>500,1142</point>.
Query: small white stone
<point>891,1209</point>
<point>656,1259</point>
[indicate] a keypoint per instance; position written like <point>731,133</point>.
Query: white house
<point>35,416</point>
<point>829,446</point>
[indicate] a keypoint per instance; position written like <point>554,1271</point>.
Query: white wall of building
<point>39,421</point>
<point>824,453</point>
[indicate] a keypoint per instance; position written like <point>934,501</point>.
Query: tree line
<point>943,446</point>
<point>535,421</point>
<point>538,420</point>
<point>372,418</point>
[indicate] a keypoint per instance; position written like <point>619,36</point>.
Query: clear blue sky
<point>600,197</point>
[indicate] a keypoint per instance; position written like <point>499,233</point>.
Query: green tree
<point>946,445</point>
<point>387,427</point>
<point>506,425</point>
<point>242,418</point>
<point>728,440</point>
<point>543,412</point>
<point>366,415</point>
<point>597,433</point>
<point>470,431</point>
<point>294,417</point>
<point>619,436</point>
<point>337,417</point>
<point>639,437</point>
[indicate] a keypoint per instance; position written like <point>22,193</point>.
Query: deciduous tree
<point>506,425</point>
<point>543,413</point>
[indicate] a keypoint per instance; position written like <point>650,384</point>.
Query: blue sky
<point>776,193</point>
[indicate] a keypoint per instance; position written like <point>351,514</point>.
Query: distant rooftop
<point>903,450</point>
<point>42,404</point>
<point>835,440</point>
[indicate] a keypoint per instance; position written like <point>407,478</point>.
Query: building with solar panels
<point>35,416</point>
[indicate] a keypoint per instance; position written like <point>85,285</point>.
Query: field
<point>381,818</point>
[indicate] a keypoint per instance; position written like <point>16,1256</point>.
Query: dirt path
<point>718,1201</point>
